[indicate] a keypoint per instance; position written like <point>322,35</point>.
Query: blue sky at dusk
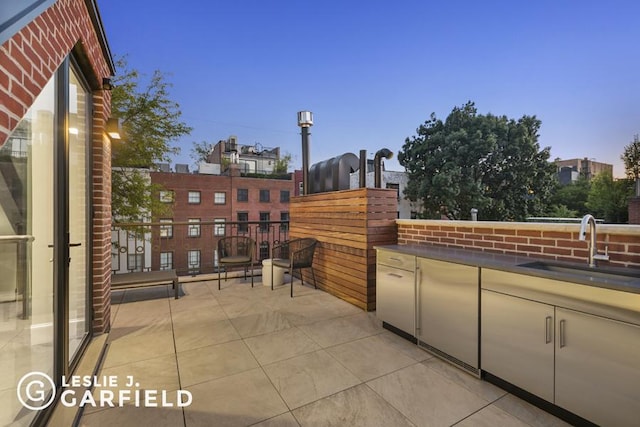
<point>372,72</point>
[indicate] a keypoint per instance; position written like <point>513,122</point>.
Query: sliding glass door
<point>26,253</point>
<point>44,250</point>
<point>78,319</point>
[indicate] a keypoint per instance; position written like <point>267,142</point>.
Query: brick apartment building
<point>228,204</point>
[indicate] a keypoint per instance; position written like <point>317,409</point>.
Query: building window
<point>167,196</point>
<point>194,197</point>
<point>194,227</point>
<point>166,230</point>
<point>220,198</point>
<point>243,218</point>
<point>166,260</point>
<point>264,196</point>
<point>263,250</point>
<point>135,262</point>
<point>219,227</point>
<point>264,221</point>
<point>284,216</point>
<point>284,196</point>
<point>193,261</point>
<point>243,194</point>
<point>300,188</point>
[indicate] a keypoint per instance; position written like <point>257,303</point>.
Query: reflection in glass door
<point>44,251</point>
<point>26,253</point>
<point>78,208</point>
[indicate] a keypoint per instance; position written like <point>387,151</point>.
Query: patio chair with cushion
<point>293,255</point>
<point>235,251</point>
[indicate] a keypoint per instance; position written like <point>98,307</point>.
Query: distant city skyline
<point>372,73</point>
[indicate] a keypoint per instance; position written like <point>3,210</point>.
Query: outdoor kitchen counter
<point>517,264</point>
<point>563,332</point>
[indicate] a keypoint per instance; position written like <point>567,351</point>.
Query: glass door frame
<point>61,245</point>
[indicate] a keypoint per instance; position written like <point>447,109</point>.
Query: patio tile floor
<point>252,356</point>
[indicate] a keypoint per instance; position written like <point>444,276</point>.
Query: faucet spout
<point>590,221</point>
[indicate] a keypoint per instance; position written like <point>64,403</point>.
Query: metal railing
<point>188,247</point>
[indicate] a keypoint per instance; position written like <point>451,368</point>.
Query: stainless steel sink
<point>586,271</point>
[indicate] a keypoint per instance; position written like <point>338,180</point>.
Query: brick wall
<point>209,184</point>
<point>207,210</point>
<point>539,240</point>
<point>28,60</point>
<point>101,223</point>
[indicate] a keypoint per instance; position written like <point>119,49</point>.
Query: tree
<point>201,150</point>
<point>631,158</point>
<point>282,164</point>
<point>150,122</point>
<point>609,198</point>
<point>561,211</point>
<point>491,163</point>
<point>573,197</point>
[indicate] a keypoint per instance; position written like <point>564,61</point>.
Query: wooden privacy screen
<point>348,224</point>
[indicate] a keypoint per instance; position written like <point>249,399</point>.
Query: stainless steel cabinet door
<point>448,308</point>
<point>517,342</point>
<point>395,298</point>
<point>598,368</point>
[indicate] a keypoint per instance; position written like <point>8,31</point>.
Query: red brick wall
<point>209,184</point>
<point>539,240</point>
<point>207,210</point>
<point>101,199</point>
<point>27,62</point>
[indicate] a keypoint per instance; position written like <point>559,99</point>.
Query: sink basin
<point>586,271</point>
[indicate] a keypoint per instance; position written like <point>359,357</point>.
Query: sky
<point>373,71</point>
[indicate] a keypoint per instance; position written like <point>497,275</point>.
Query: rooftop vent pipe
<point>377,168</point>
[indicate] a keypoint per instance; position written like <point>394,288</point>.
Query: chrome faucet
<point>588,219</point>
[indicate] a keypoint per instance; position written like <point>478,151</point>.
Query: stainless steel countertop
<point>514,264</point>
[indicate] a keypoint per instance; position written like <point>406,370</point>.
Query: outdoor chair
<point>235,251</point>
<point>293,255</point>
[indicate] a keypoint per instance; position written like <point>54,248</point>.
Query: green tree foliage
<point>201,150</point>
<point>561,211</point>
<point>487,162</point>
<point>282,164</point>
<point>609,198</point>
<point>631,158</point>
<point>150,122</point>
<point>573,197</point>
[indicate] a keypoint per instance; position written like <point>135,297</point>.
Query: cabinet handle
<point>562,327</point>
<point>394,259</point>
<point>547,330</point>
<point>399,276</point>
<point>417,308</point>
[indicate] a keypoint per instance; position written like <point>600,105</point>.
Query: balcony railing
<point>188,247</point>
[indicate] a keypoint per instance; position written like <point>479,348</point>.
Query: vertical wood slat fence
<point>348,224</point>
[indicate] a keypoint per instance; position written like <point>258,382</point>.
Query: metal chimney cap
<point>305,119</point>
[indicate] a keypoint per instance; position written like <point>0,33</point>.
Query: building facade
<point>252,158</point>
<point>571,170</point>
<point>207,207</point>
<point>55,214</point>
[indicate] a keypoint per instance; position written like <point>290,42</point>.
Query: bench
<point>146,278</point>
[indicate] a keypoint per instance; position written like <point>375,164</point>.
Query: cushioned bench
<point>146,278</point>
